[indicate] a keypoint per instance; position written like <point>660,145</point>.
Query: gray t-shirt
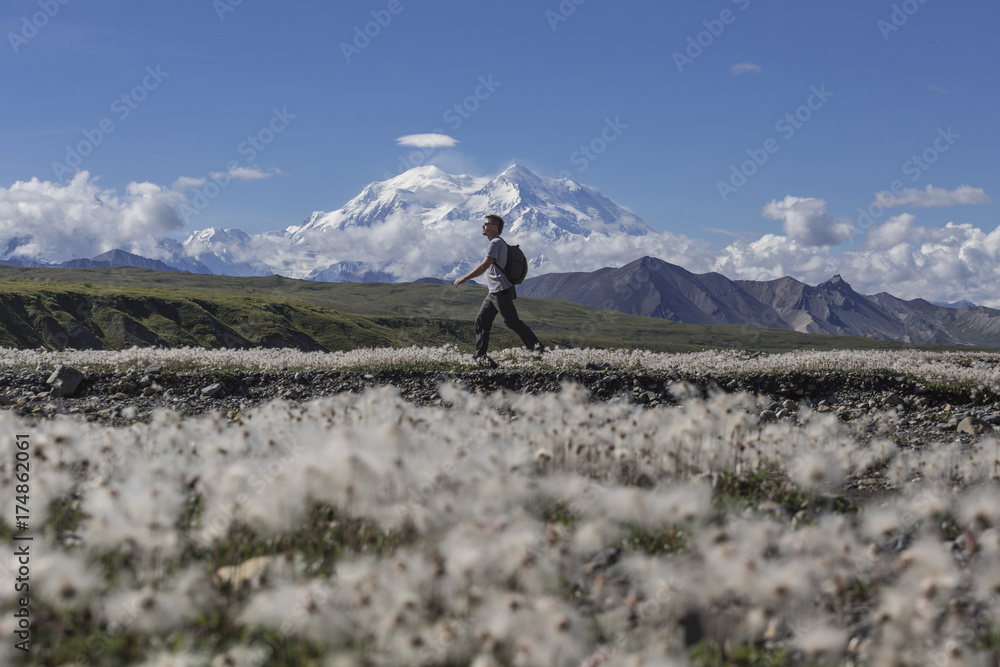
<point>496,280</point>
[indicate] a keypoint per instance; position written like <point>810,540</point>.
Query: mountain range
<point>425,222</point>
<point>654,288</point>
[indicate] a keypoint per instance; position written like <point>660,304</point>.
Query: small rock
<point>971,425</point>
<point>258,570</point>
<point>212,390</point>
<point>153,369</point>
<point>767,415</point>
<point>65,380</point>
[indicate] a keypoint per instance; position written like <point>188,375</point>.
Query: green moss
<point>709,654</point>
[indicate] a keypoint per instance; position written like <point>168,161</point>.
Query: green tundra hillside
<point>121,307</point>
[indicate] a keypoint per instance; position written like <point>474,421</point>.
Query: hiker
<point>499,298</point>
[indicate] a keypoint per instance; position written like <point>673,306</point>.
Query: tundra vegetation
<point>507,528</point>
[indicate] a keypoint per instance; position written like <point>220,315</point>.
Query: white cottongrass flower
<point>306,610</point>
<point>493,507</point>
<point>63,580</point>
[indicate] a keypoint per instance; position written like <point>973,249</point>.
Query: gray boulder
<point>213,391</point>
<point>65,380</point>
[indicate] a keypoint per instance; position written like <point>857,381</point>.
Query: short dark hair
<point>497,219</point>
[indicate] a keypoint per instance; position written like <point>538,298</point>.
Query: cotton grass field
<point>501,529</point>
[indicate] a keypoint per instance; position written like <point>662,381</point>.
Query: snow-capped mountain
<point>526,201</point>
<point>422,194</point>
<point>225,251</point>
<point>422,222</point>
<point>557,208</point>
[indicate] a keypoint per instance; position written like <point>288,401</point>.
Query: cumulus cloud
<point>746,68</point>
<point>427,140</point>
<point>933,196</point>
<point>57,222</point>
<point>806,221</point>
<point>957,261</point>
<point>901,257</point>
<point>79,219</point>
<point>893,232</point>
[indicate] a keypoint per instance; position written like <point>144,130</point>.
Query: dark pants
<point>501,302</point>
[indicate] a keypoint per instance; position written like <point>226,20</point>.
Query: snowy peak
<point>429,196</point>
<point>214,235</point>
<point>425,194</point>
<point>557,208</point>
<point>520,175</point>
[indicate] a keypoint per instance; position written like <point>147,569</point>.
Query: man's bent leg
<point>484,323</point>
<point>505,304</point>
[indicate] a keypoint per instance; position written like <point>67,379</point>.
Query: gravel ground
<point>925,414</point>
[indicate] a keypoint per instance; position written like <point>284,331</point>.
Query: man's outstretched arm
<point>476,272</point>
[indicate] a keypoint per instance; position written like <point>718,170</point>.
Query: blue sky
<point>670,100</point>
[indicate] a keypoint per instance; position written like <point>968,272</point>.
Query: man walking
<point>500,297</point>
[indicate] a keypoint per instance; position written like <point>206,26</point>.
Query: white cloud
<point>806,220</point>
<point>957,261</point>
<point>235,172</point>
<point>187,182</point>
<point>79,219</point>
<point>940,90</point>
<point>893,232</point>
<point>246,173</point>
<point>932,196</point>
<point>746,68</point>
<point>427,141</point>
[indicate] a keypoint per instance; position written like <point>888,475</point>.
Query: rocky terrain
<point>924,412</point>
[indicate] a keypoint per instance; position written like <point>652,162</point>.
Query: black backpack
<point>517,264</point>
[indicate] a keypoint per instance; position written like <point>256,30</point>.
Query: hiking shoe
<point>486,361</point>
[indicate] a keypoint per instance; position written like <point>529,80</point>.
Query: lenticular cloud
<point>79,219</point>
